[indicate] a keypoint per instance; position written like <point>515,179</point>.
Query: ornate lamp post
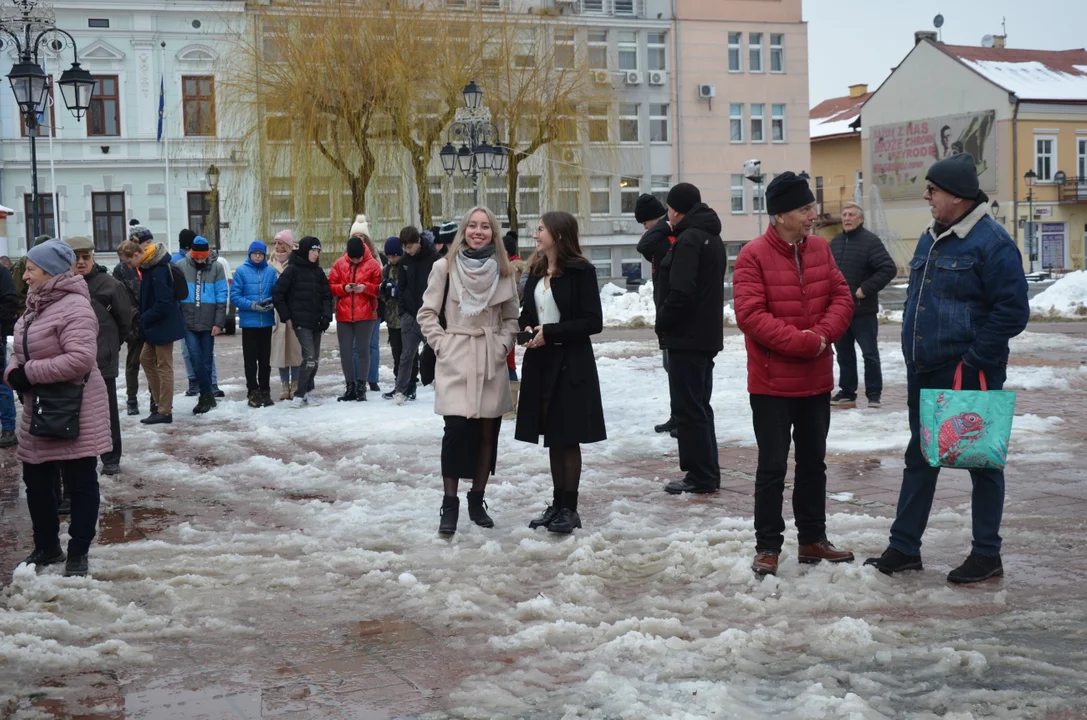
<point>213,212</point>
<point>1030,177</point>
<point>480,151</point>
<point>753,172</point>
<point>29,28</point>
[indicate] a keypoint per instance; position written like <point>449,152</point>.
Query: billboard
<point>902,152</point>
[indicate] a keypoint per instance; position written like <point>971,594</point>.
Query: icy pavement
<point>285,564</point>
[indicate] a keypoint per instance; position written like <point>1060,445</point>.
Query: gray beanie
<point>957,175</point>
<point>52,256</point>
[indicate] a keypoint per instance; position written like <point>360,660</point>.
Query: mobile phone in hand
<point>525,336</point>
<point>349,287</point>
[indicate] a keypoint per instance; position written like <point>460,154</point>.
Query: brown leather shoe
<point>766,563</point>
<point>823,550</point>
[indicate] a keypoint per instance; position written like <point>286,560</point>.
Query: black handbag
<point>55,413</point>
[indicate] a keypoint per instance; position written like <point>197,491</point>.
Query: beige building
<point>741,94</point>
<point>1016,111</point>
<point>836,166</point>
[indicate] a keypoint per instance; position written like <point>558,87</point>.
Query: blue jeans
<point>201,346</point>
<point>863,331</point>
<point>189,371</point>
<point>919,478</point>
<point>7,397</point>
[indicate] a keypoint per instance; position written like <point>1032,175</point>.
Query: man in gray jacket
<point>204,312</point>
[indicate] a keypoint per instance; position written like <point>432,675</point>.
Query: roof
<point>1045,75</point>
<point>832,118</point>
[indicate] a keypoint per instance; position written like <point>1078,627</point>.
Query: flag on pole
<point>162,104</point>
<point>45,105</point>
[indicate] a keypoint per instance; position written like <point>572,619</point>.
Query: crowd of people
<point>457,299</point>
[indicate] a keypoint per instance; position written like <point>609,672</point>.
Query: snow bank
<point>1066,298</point>
<point>624,309</point>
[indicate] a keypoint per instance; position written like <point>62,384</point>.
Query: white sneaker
<point>298,402</point>
<point>399,398</point>
<point>311,399</point>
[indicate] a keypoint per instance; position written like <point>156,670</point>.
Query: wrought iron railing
<point>1073,189</point>
<point>612,8</point>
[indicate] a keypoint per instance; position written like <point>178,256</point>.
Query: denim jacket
<point>967,296</point>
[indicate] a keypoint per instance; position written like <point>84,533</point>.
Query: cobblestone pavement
<point>307,655</point>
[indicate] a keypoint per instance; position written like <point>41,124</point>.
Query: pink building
<point>742,94</point>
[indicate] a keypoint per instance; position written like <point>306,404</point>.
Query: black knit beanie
<point>683,197</point>
<point>509,242</point>
<point>355,248</point>
<point>185,238</point>
<point>648,207</point>
<point>786,193</point>
<point>957,175</point>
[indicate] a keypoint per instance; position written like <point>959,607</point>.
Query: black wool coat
<point>302,294</point>
<point>576,412</point>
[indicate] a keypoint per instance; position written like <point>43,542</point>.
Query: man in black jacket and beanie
<point>867,267</point>
<point>654,245</point>
<point>419,258</point>
<point>690,324</point>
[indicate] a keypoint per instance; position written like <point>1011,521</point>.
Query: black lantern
<point>473,96</point>
<point>30,85</point>
<point>501,158</point>
<point>77,86</point>
<point>1030,177</point>
<point>213,176</point>
<point>449,158</point>
<point>484,156</point>
<point>464,160</point>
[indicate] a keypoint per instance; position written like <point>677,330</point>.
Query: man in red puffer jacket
<point>791,303</point>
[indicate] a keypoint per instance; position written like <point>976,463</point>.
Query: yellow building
<point>1017,111</point>
<point>836,162</point>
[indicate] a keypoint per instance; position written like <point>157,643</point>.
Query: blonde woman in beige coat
<point>286,352</point>
<point>469,317</point>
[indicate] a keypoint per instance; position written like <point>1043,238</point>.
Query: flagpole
<point>166,145</point>
<point>52,162</point>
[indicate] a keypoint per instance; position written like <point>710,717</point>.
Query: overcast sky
<point>859,41</point>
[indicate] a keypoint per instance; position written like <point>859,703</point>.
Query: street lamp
<point>472,144</point>
<point>212,175</point>
<point>753,172</point>
<point>1030,177</point>
<point>31,30</point>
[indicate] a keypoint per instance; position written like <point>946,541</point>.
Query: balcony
<point>609,8</point>
<point>1073,189</point>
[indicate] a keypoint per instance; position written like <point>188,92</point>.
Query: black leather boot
<point>349,394</point>
<point>450,514</point>
<point>360,391</point>
<point>477,509</point>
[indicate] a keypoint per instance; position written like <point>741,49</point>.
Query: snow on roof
<point>831,118</point>
<point>1029,74</point>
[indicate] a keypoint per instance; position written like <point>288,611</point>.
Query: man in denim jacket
<point>967,298</point>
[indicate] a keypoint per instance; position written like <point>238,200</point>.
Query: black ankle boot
<point>477,509</point>
<point>567,518</point>
<point>349,394</point>
<point>450,514</point>
<point>360,391</point>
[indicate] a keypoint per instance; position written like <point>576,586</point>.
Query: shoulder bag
<point>55,413</point>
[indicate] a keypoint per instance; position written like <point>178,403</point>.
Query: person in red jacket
<point>791,303</point>
<point>355,279</point>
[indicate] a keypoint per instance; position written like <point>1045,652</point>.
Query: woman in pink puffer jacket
<point>60,331</point>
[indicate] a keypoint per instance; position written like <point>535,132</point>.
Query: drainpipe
<point>1015,174</point>
<point>679,105</point>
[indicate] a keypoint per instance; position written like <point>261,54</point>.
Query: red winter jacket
<point>781,290</point>
<point>353,307</point>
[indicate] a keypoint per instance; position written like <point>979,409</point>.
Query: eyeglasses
<point>931,189</point>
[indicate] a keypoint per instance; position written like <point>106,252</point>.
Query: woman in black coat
<point>560,389</point>
<point>303,297</point>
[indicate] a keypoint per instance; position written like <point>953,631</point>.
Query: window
<point>628,50</point>
<point>1081,159</point>
<point>280,202</point>
<point>564,48</point>
<point>658,122</point>
<point>103,115</point>
<point>777,53</point>
<point>601,260</point>
<point>48,221</point>
<point>758,131</point>
<point>279,128</point>
<point>736,122</point>
<point>758,198</point>
<point>735,52</point>
<point>629,189</point>
<point>1045,150</point>
<point>819,193</point>
<point>463,198</point>
<point>738,205</point>
<point>525,50</point>
<point>631,267</point>
<point>598,49</point>
<point>568,194</point>
<point>528,195</point>
<point>198,207</point>
<point>858,186</point>
<point>437,197</point>
<point>777,123</point>
<point>386,196</point>
<point>98,22</point>
<point>628,123</point>
<point>198,105</point>
<point>657,50</point>
<point>600,195</point>
<point>108,215</point>
<point>497,197</point>
<point>754,52</point>
<point>592,6</point>
<point>598,123</point>
<point>49,124</point>
<point>318,201</point>
<point>660,185</point>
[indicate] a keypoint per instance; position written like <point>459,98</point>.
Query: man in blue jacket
<point>204,311</point>
<point>251,293</point>
<point>967,298</point>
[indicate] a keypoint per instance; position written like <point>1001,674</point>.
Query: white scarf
<point>478,283</point>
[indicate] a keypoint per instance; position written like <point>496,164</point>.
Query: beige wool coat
<point>470,377</point>
<point>286,352</point>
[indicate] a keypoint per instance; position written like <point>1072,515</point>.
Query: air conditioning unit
<point>602,77</point>
<point>707,91</point>
<point>657,77</point>
<point>571,156</point>
<point>634,77</point>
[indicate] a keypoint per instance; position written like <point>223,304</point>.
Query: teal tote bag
<point>966,428</point>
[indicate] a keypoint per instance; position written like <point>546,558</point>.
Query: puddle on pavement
<point>130,524</point>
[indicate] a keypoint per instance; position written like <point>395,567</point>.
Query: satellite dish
<point>987,41</point>
<point>938,21</point>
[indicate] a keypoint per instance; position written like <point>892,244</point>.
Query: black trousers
<point>807,420</point>
<point>114,455</point>
<point>81,481</point>
<point>257,356</point>
<point>397,345</point>
<point>461,446</point>
<point>690,384</point>
<point>132,368</point>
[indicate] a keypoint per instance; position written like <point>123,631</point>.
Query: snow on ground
<point>635,616</point>
<point>1066,298</point>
